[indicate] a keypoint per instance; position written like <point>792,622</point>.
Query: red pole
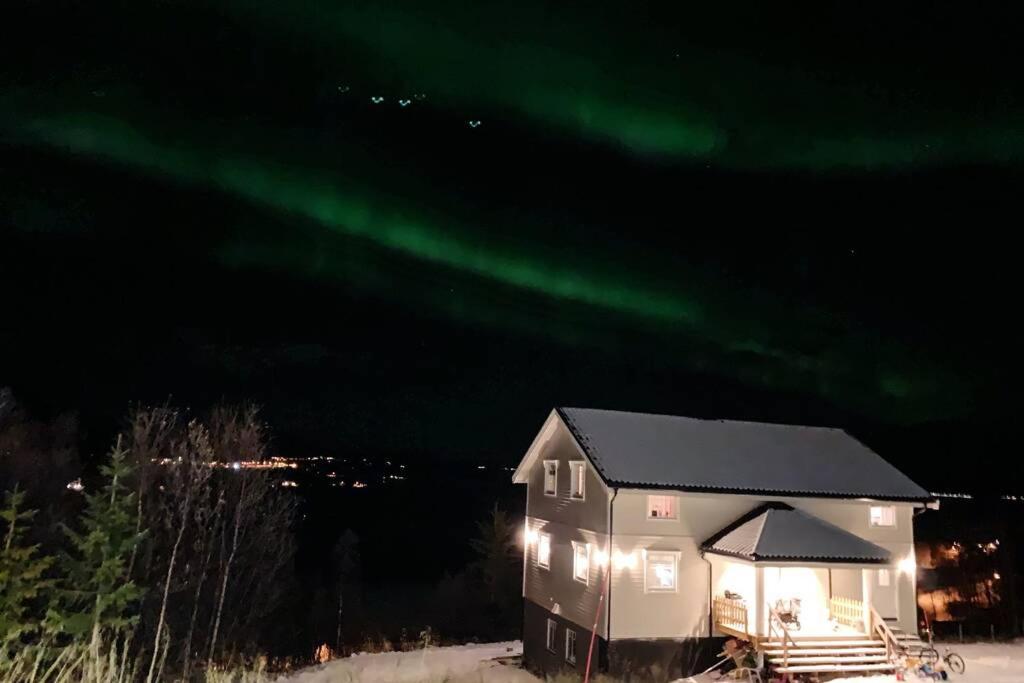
<point>597,615</point>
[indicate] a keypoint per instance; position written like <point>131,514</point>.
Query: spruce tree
<point>23,580</point>
<point>98,596</point>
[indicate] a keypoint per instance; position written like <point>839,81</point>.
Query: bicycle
<point>954,661</point>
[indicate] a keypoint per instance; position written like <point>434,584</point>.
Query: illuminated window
<point>544,551</point>
<point>883,577</point>
<point>552,627</point>
<point>661,507</point>
<point>581,561</point>
<point>578,477</point>
<point>550,477</point>
<point>660,571</point>
<point>570,646</point>
<point>883,515</point>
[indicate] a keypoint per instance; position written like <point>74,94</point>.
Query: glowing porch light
<point>907,565</point>
<point>621,560</point>
<point>601,558</point>
<point>531,536</point>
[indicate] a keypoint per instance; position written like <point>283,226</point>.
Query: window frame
<point>554,492</point>
<point>570,653</point>
<point>675,507</point>
<point>871,516</point>
<point>582,481</point>
<point>575,558</point>
<point>551,637</point>
<point>884,571</point>
<point>541,537</point>
<point>675,571</point>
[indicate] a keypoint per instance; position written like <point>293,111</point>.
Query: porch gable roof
<point>776,532</point>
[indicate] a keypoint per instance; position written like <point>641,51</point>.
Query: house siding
<point>684,614</point>
<point>566,520</point>
<point>591,513</point>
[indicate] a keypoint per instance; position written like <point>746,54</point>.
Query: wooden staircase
<point>826,654</point>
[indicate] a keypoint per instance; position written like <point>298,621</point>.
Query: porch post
<point>760,613</point>
<point>867,586</point>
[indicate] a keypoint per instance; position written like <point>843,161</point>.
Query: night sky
<point>412,229</point>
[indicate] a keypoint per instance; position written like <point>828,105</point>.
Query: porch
<point>757,600</point>
<point>804,592</point>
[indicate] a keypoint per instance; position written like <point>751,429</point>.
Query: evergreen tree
<point>99,596</point>
<point>498,565</point>
<point>23,581</point>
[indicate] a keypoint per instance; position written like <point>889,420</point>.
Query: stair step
<point>826,643</point>
<point>830,668</point>
<point>775,652</point>
<point>799,661</point>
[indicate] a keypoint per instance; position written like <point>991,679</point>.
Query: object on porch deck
<point>788,612</point>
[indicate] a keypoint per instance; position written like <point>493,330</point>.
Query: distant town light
<point>236,466</point>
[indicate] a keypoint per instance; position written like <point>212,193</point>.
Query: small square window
<point>578,479</point>
<point>550,477</point>
<point>660,571</point>
<point>552,629</point>
<point>661,507</point>
<point>570,646</point>
<point>544,551</point>
<point>883,577</point>
<point>883,515</point>
<point>581,561</point>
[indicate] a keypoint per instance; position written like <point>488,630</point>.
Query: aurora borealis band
<point>753,200</point>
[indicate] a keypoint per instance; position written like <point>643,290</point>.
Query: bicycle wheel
<point>929,655</point>
<point>955,663</point>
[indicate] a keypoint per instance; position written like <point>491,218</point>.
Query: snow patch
<point>986,663</point>
<point>458,664</point>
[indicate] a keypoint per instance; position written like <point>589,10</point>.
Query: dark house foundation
<point>542,661</point>
<point>653,660</point>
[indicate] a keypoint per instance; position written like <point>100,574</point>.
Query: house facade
<point>650,538</point>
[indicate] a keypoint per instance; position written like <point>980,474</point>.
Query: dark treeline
<point>216,566</point>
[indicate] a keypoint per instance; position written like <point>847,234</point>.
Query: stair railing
<point>892,644</point>
<point>775,620</point>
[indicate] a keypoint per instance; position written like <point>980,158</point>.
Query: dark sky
<point>413,228</point>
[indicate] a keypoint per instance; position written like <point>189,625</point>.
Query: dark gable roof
<point>662,451</point>
<point>777,532</point>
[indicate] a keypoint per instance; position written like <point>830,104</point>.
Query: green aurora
<point>689,88</point>
<point>731,329</point>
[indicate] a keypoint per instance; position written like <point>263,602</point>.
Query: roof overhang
<point>547,431</point>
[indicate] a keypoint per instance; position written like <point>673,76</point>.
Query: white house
<point>657,536</point>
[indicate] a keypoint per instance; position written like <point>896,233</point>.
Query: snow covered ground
<point>459,664</point>
<point>986,663</point>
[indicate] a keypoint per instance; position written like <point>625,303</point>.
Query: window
<point>883,577</point>
<point>660,571</point>
<point>550,477</point>
<point>570,646</point>
<point>883,515</point>
<point>578,476</point>
<point>544,551</point>
<point>581,561</point>
<point>661,507</point>
<point>552,626</point>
